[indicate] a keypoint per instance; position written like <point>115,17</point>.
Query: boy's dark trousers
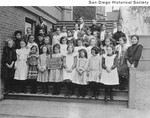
<point>123,82</point>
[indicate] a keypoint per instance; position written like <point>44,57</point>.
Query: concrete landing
<point>49,109</point>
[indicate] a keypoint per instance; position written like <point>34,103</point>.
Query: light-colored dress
<point>63,49</point>
<point>94,68</point>
<point>112,77</point>
<point>56,75</point>
<point>70,61</point>
<point>42,68</point>
<point>82,63</point>
<point>21,64</point>
<point>89,51</point>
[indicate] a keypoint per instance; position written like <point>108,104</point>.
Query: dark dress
<point>134,53</point>
<point>9,55</point>
<point>40,44</point>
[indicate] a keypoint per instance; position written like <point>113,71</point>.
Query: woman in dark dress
<point>8,60</point>
<point>134,52</point>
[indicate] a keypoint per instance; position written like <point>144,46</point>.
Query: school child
<point>70,37</point>
<point>18,38</point>
<point>94,72</point>
<point>134,52</point>
<point>76,32</point>
<point>64,31</point>
<point>8,61</point>
<point>47,44</point>
<point>43,69</point>
<point>63,45</point>
<point>83,35</point>
<point>107,43</point>
<point>56,37</point>
<point>21,67</point>
<point>26,36</point>
<point>79,46</point>
<point>32,62</point>
<point>92,44</point>
<point>98,44</point>
<point>56,75</point>
<point>80,77</point>
<point>31,43</point>
<point>123,70</point>
<point>70,60</point>
<point>40,42</point>
<point>109,73</point>
<point>88,37</point>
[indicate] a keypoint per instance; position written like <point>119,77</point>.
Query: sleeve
<point>14,56</point>
<point>39,63</point>
<point>4,56</point>
<point>64,62</point>
<point>100,64</point>
<point>77,66</point>
<point>75,62</point>
<point>138,54</point>
<point>103,63</point>
<point>115,63</point>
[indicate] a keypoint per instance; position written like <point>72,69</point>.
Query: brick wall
<point>11,19</point>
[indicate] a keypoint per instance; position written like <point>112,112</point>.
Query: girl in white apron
<point>109,72</point>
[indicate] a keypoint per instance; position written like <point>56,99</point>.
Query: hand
<point>129,65</point>
<point>132,66</point>
<point>7,65</point>
<point>108,70</point>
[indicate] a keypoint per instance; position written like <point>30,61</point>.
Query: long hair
<point>85,52</point>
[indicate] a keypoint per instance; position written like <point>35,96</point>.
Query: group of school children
<point>86,62</point>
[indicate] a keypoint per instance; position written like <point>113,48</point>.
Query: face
<point>93,52</point>
<point>76,27</point>
<point>94,22</point>
<point>41,32</point>
<point>46,40</point>
<point>103,27</point>
<point>10,43</point>
<point>107,42</point>
<point>109,50</point>
<point>69,33</point>
<point>44,49</point>
<point>56,50</point>
<point>120,21</point>
<point>40,38</point>
<point>18,36</point>
<point>119,28</point>
<point>41,19</point>
<point>29,31</point>
<point>22,44</point>
<point>110,35</point>
<point>134,40</point>
<point>121,41</point>
<point>64,29</point>
<point>64,41</point>
<point>95,34</point>
<point>89,32</point>
<point>34,50</point>
<point>31,39</point>
<point>81,20</point>
<point>82,54</point>
<point>70,49</point>
<point>79,43</point>
<point>58,31</point>
<point>115,25</point>
<point>93,42</point>
<point>82,32</point>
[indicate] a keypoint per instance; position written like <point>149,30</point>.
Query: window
<point>30,23</point>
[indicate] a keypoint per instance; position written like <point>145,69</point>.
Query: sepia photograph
<point>75,61</point>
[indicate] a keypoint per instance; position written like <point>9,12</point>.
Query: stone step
<point>119,100</point>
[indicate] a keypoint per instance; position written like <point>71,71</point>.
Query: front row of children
<point>26,66</point>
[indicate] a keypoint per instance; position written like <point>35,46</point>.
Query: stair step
<point>60,98</point>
